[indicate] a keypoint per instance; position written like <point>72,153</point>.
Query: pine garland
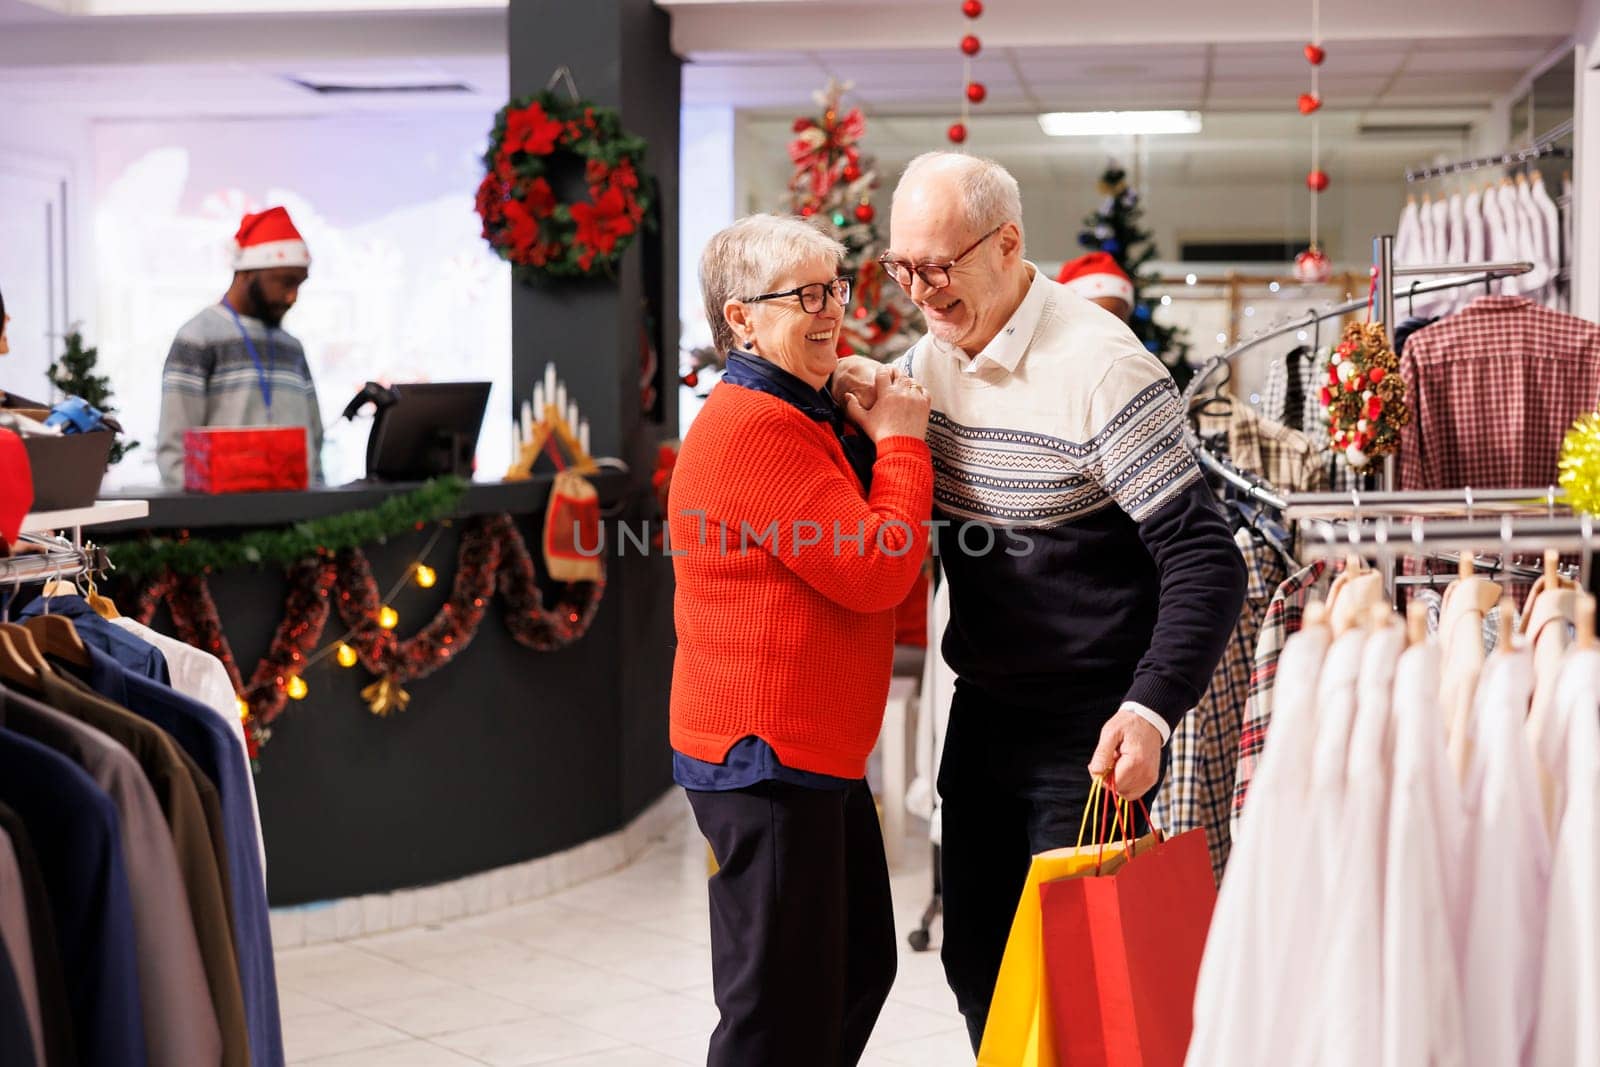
<point>143,559</point>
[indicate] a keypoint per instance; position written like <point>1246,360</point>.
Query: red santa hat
<point>1096,274</point>
<point>268,239</point>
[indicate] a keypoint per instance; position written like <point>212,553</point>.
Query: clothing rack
<point>1386,538</point>
<point>1541,148</point>
<point>58,559</point>
<point>1254,488</point>
<point>1456,503</point>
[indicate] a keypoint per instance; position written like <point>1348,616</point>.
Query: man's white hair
<point>990,197</point>
<point>747,258</point>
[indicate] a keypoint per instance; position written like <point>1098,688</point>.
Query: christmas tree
<point>74,375</point>
<point>833,182</point>
<point>1115,230</point>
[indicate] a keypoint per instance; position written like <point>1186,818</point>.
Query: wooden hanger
<point>1508,614</point>
<point>1379,616</point>
<point>13,667</point>
<point>1586,636</point>
<point>1552,561</point>
<point>57,637</point>
<point>1416,623</point>
<point>1465,566</point>
<point>22,640</point>
<point>1316,614</point>
<point>101,605</point>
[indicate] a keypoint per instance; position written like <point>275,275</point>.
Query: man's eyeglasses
<point>933,275</point>
<point>813,297</point>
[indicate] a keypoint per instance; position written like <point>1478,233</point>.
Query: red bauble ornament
<point>1377,375</point>
<point>1317,181</point>
<point>972,8</point>
<point>851,172</point>
<point>976,92</point>
<point>1315,55</point>
<point>971,45</point>
<point>802,124</point>
<point>1309,102</point>
<point>1313,266</point>
<point>864,213</point>
<point>1326,396</point>
<point>957,132</point>
<point>1374,408</point>
<point>860,313</point>
<point>808,210</point>
<point>691,379</point>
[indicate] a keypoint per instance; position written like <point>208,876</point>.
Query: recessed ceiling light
<point>1115,123</point>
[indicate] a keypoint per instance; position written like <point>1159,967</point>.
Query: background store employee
<point>234,364</point>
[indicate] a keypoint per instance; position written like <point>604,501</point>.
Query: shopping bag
<point>572,530</point>
<point>1122,949</point>
<point>1019,1030</point>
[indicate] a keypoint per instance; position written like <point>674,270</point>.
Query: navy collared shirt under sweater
<point>201,733</point>
<point>751,759</point>
<point>140,657</point>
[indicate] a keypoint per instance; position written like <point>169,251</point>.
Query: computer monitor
<point>427,429</point>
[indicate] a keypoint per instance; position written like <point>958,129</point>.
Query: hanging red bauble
<point>1313,267</point>
<point>864,213</point>
<point>976,92</point>
<point>851,172</point>
<point>1315,55</point>
<point>861,312</point>
<point>807,210</point>
<point>972,8</point>
<point>957,132</point>
<point>691,379</point>
<point>802,124</point>
<point>971,45</point>
<point>1317,181</point>
<point>1309,102</point>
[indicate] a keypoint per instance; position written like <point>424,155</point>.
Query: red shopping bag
<point>1122,955</point>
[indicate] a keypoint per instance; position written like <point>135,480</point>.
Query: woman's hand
<point>900,410</point>
<point>856,376</point>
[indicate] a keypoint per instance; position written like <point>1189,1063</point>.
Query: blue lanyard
<point>263,374</point>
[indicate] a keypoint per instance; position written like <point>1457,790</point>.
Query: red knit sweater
<point>793,645</point>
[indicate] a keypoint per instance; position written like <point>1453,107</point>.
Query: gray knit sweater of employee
<point>210,380</point>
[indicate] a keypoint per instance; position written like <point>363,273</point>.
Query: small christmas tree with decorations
<point>1115,230</point>
<point>74,375</point>
<point>833,182</point>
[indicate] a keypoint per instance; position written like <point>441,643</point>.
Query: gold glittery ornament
<point>1580,464</point>
<point>385,695</point>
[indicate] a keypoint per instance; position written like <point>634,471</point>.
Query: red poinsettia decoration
<point>524,220</point>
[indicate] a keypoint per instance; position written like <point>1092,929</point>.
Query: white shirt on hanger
<point>1498,246</point>
<point>1408,236</point>
<point>1567,1030</point>
<point>1534,221</point>
<point>1259,905</point>
<point>201,676</point>
<point>1472,214</point>
<point>1507,871</point>
<point>1550,217</point>
<point>1348,961</point>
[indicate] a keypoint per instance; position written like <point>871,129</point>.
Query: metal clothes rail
<point>1544,146</point>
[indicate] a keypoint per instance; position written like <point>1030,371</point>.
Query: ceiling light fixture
<point>1115,123</point>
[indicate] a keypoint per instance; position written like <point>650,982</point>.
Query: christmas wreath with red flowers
<point>1365,396</point>
<point>535,140</point>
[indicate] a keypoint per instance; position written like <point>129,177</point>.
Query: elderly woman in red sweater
<point>797,528</point>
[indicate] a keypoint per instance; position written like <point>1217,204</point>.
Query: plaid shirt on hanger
<point>1205,747</point>
<point>1493,389</point>
<point>1284,457</point>
<point>1282,619</point>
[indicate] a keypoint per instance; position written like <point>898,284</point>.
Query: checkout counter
<point>505,755</point>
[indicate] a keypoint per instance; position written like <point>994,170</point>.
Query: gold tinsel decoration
<point>1580,464</point>
<point>385,695</point>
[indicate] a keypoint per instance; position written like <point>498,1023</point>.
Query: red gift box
<point>245,459</point>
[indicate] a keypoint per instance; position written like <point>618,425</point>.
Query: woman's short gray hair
<point>747,258</point>
<point>990,197</point>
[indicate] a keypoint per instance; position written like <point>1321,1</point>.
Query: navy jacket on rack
<point>74,830</point>
<point>57,1020</point>
<point>200,733</point>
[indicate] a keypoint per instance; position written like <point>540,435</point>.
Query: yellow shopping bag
<point>1019,1032</point>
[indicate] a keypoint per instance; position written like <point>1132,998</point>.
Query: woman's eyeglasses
<point>813,297</point>
<point>933,275</point>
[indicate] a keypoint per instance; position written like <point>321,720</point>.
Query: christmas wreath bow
<point>527,223</point>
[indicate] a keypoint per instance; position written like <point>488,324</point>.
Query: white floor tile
<point>636,1021</point>
<point>899,1022</point>
<point>292,1005</point>
<point>367,984</point>
<point>690,1048</point>
<point>539,1040</point>
<point>559,986</point>
<point>407,1054</point>
<point>686,968</point>
<point>440,1013</point>
<point>329,1032</point>
<point>941,1050</point>
<point>422,943</point>
<point>621,1057</point>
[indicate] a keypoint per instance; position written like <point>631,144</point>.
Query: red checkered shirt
<point>1493,389</point>
<point>1281,620</point>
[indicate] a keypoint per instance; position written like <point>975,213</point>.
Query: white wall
<point>1586,167</point>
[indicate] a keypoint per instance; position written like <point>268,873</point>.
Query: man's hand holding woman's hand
<point>898,406</point>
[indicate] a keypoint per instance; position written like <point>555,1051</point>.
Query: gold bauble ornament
<point>426,576</point>
<point>385,695</point>
<point>296,688</point>
<point>346,655</point>
<point>388,618</point>
<point>1580,464</point>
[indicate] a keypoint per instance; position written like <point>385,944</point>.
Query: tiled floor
<point>615,973</point>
